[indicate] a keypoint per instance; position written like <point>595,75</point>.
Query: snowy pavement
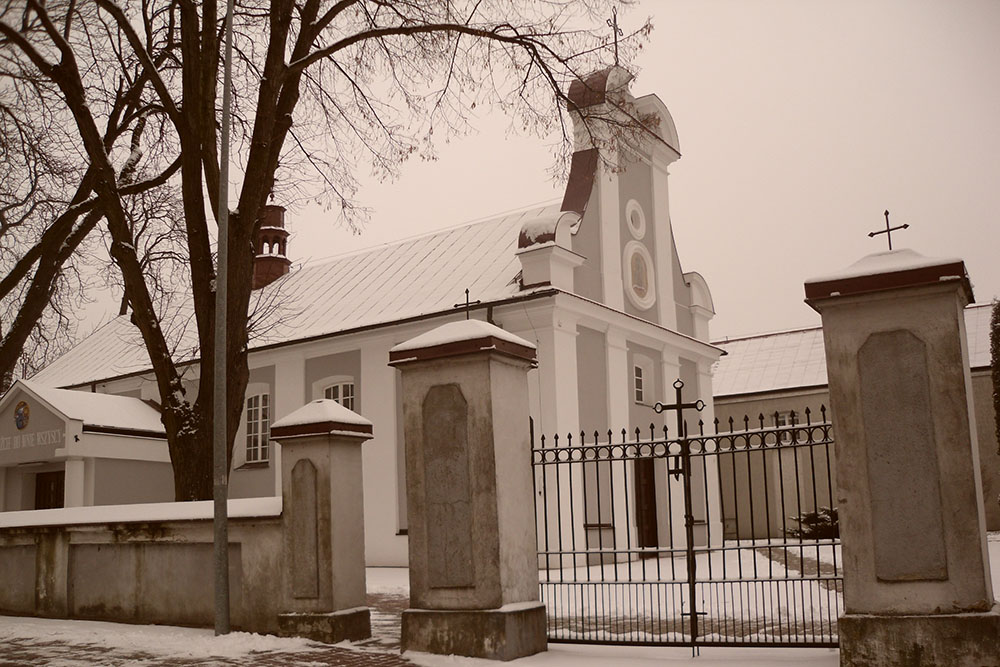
<point>62,643</point>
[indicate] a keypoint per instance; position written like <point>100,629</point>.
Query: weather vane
<point>888,230</point>
<point>467,303</point>
<point>616,32</point>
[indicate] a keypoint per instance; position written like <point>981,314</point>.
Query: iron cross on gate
<point>888,230</point>
<point>685,469</point>
<point>679,406</point>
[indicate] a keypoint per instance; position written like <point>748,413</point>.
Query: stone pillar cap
<point>322,417</point>
<point>462,337</point>
<point>892,269</point>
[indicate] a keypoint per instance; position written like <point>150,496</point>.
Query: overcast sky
<point>799,123</point>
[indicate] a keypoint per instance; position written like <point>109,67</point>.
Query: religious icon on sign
<point>21,414</point>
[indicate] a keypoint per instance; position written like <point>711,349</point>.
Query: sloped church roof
<point>389,283</point>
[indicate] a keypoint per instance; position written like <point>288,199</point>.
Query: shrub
<point>819,525</point>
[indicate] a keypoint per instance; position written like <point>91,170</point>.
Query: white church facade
<point>594,281</point>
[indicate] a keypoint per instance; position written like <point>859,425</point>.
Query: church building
<point>594,281</point>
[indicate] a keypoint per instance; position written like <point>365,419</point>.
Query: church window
<point>342,392</point>
<point>258,427</point>
<point>635,219</point>
<point>637,376</point>
<point>784,419</point>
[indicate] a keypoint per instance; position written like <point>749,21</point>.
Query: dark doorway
<point>645,505</point>
<point>49,488</point>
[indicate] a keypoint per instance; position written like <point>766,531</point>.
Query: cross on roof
<point>616,32</point>
<point>888,230</point>
<point>468,304</point>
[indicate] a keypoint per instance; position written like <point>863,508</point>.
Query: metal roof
<point>391,282</point>
<point>796,359</point>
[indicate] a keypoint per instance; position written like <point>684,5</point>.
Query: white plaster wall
<point>383,545</point>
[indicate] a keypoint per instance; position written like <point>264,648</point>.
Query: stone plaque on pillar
<point>448,501</point>
<point>902,460</point>
<point>917,586</point>
<point>470,506</point>
<point>305,557</point>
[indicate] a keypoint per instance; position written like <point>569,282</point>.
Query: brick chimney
<point>272,244</point>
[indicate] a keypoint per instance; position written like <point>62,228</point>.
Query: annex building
<point>595,281</point>
<point>775,374</point>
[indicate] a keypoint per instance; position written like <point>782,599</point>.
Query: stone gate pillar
<point>323,525</point>
<point>917,586</point>
<point>473,566</point>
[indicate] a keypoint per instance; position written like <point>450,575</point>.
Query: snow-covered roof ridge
<point>525,213</point>
<point>98,410</point>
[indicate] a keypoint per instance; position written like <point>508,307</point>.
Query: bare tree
<point>323,88</point>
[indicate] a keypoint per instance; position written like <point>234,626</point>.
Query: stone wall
<point>142,572</point>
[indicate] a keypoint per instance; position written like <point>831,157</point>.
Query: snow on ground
<point>388,580</point>
<point>187,643</point>
<point>567,655</point>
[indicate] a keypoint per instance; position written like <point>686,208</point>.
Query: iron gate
<point>666,538</point>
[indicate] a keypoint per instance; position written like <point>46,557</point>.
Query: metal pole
<point>220,444</point>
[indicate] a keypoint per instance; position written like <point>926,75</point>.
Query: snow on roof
<point>452,332</point>
<point>320,411</point>
<point>410,278</point>
<point>103,410</point>
<point>793,359</point>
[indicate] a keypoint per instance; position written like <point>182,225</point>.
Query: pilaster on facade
<point>377,403</point>
<point>610,212</point>
<point>74,491</point>
<point>664,240</point>
<point>619,397</point>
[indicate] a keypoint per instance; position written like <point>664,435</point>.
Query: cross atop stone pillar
<point>473,563</point>
<point>323,558</point>
<point>917,587</point>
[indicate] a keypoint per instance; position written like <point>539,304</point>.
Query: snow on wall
<point>140,512</point>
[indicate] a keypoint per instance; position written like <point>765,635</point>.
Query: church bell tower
<point>271,261</point>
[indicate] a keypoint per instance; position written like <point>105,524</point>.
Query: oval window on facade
<point>640,284</point>
<point>636,219</point>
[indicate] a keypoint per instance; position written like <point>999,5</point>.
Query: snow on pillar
<point>916,569</point>
<point>473,568</point>
<point>323,573</point>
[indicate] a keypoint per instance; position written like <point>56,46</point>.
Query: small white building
<point>594,281</point>
<point>61,448</point>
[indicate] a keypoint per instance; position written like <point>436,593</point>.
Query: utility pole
<point>220,445</point>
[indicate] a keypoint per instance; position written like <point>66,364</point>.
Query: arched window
<point>342,392</point>
<point>258,427</point>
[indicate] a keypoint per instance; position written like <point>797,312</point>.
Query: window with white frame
<point>638,382</point>
<point>258,425</point>
<point>342,392</point>
<point>784,419</point>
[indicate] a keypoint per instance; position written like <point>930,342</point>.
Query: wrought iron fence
<point>727,538</point>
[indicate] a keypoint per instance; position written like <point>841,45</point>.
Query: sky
<point>799,121</point>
